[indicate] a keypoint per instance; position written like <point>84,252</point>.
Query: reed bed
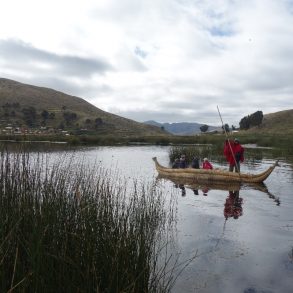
<point>67,228</point>
<point>212,152</point>
<point>215,153</point>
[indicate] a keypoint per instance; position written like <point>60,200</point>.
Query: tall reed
<point>67,228</point>
<point>212,152</point>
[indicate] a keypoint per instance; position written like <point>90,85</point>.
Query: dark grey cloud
<point>88,92</point>
<point>71,88</point>
<point>27,57</point>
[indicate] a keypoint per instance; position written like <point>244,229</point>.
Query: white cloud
<point>163,59</point>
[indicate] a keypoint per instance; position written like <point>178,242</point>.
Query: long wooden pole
<point>223,126</point>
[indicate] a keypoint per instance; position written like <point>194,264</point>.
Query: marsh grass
<point>200,151</point>
<point>67,228</point>
<point>215,154</point>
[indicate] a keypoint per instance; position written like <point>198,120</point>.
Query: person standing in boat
<point>206,164</point>
<point>234,153</point>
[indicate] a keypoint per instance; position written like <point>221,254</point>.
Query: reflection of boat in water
<point>215,175</point>
<point>205,186</point>
<point>201,184</point>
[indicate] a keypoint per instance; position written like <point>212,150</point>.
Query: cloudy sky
<point>163,60</point>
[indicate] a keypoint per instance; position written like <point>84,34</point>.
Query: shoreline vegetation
<point>261,139</point>
<point>67,228</point>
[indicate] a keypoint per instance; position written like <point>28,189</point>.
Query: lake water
<point>249,254</point>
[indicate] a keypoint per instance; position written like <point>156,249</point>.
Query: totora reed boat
<point>215,175</point>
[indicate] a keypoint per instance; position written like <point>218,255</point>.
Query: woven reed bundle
<point>214,175</point>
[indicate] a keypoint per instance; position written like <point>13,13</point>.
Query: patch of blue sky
<point>220,31</point>
<point>138,51</point>
<point>289,5</point>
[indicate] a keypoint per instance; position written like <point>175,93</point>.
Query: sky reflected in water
<point>250,253</point>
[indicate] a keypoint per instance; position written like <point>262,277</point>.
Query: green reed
<point>215,153</point>
<point>67,228</point>
<point>212,152</point>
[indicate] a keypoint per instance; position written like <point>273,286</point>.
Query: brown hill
<point>23,105</point>
<point>276,123</point>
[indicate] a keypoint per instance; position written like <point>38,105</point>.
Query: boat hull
<point>216,175</point>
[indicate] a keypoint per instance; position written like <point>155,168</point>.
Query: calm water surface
<point>253,253</point>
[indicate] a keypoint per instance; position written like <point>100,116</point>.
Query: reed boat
<point>215,175</point>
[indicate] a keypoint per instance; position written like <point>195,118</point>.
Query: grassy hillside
<point>23,105</point>
<point>276,123</point>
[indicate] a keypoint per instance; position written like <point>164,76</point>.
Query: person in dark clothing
<point>176,164</point>
<point>195,163</point>
<point>183,163</point>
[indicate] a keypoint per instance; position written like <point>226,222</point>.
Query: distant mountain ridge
<point>23,105</point>
<point>280,122</point>
<point>181,128</point>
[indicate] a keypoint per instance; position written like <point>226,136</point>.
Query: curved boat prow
<point>268,172</point>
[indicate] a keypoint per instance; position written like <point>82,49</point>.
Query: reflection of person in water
<point>205,191</point>
<point>182,187</point>
<point>195,165</point>
<point>183,191</point>
<point>233,205</point>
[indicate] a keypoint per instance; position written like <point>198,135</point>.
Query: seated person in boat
<point>234,153</point>
<point>176,164</point>
<point>206,164</point>
<point>183,163</point>
<point>195,163</point>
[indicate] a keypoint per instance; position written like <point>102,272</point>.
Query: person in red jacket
<point>234,153</point>
<point>206,164</point>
